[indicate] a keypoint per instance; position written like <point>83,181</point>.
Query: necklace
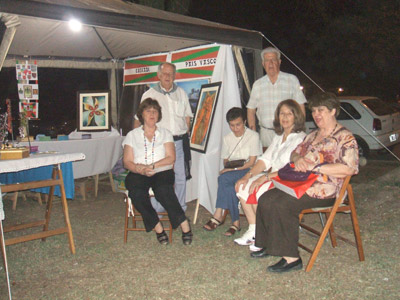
<point>329,135</point>
<point>152,148</point>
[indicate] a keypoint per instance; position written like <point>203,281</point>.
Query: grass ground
<point>213,267</point>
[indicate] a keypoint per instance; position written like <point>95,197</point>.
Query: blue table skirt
<point>43,173</point>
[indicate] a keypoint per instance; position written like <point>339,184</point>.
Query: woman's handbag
<point>237,163</point>
<point>288,173</point>
<point>293,182</point>
<point>232,164</point>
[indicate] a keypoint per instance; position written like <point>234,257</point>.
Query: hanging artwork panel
<point>94,111</point>
<point>26,71</point>
<point>28,91</point>
<point>30,108</point>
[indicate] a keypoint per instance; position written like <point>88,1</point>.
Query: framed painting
<point>192,89</point>
<point>93,111</point>
<point>203,118</point>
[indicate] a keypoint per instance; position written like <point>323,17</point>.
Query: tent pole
<point>11,22</point>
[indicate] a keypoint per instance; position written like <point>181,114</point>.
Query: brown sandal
<point>232,230</point>
<point>212,224</point>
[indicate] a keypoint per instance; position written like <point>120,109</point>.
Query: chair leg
<point>321,239</point>
<point>96,185</point>
<point>39,198</point>
<point>126,220</point>
<point>14,200</point>
<point>356,227</point>
<point>170,232</point>
<point>225,214</point>
<point>332,235</point>
<point>110,176</point>
<point>196,211</point>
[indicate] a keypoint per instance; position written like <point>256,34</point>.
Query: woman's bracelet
<point>251,174</point>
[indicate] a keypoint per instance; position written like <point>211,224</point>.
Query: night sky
<point>338,43</point>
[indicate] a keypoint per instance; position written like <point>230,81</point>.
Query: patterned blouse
<point>340,147</point>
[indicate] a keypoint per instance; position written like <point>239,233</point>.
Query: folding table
<point>35,161</point>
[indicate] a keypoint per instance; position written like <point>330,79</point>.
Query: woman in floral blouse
<point>277,221</point>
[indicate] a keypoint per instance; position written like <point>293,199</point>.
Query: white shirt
<point>136,139</point>
<point>265,96</point>
<point>250,145</point>
<point>278,153</point>
<point>175,108</point>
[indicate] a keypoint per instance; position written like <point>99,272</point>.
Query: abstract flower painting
<point>93,111</point>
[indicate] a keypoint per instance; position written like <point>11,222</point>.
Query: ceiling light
<point>75,25</point>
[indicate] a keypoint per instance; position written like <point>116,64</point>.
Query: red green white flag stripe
<point>142,69</point>
<point>195,63</point>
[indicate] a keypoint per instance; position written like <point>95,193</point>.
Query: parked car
<point>370,119</point>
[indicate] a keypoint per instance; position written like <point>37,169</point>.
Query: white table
<point>36,161</point>
<point>101,153</point>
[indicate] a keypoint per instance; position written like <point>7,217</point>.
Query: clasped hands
<point>303,164</point>
<point>254,185</point>
<point>146,170</point>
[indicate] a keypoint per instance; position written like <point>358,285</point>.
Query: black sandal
<point>187,237</point>
<point>162,238</point>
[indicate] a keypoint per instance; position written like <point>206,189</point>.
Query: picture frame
<point>93,110</point>
<point>192,89</point>
<point>204,116</point>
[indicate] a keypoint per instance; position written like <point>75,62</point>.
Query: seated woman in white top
<point>241,143</point>
<point>289,129</point>
<point>149,155</point>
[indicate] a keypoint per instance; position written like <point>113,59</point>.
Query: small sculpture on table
<point>7,150</point>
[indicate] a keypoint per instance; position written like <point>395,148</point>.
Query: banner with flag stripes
<point>191,64</point>
<point>142,69</point>
<point>195,63</point>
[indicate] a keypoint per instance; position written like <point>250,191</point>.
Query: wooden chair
<point>14,197</point>
<point>136,216</point>
<point>98,178</point>
<point>342,204</point>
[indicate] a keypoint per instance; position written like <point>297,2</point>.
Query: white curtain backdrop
<point>206,166</point>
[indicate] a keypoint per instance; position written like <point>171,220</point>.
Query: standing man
<point>176,114</point>
<point>268,91</point>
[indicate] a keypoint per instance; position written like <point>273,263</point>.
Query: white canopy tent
<point>113,30</point>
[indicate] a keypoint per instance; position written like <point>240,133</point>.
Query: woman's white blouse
<point>250,145</point>
<point>278,154</point>
<point>135,139</point>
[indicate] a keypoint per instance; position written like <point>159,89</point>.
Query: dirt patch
<point>212,267</point>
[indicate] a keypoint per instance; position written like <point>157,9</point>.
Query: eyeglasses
<point>167,74</point>
<point>273,60</point>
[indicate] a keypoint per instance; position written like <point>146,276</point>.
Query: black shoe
<point>259,254</point>
<point>162,238</point>
<point>282,266</point>
<point>187,237</point>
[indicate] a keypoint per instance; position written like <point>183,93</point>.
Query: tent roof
<point>113,29</point>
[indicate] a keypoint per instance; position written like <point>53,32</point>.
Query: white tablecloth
<point>38,160</point>
<point>101,153</point>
